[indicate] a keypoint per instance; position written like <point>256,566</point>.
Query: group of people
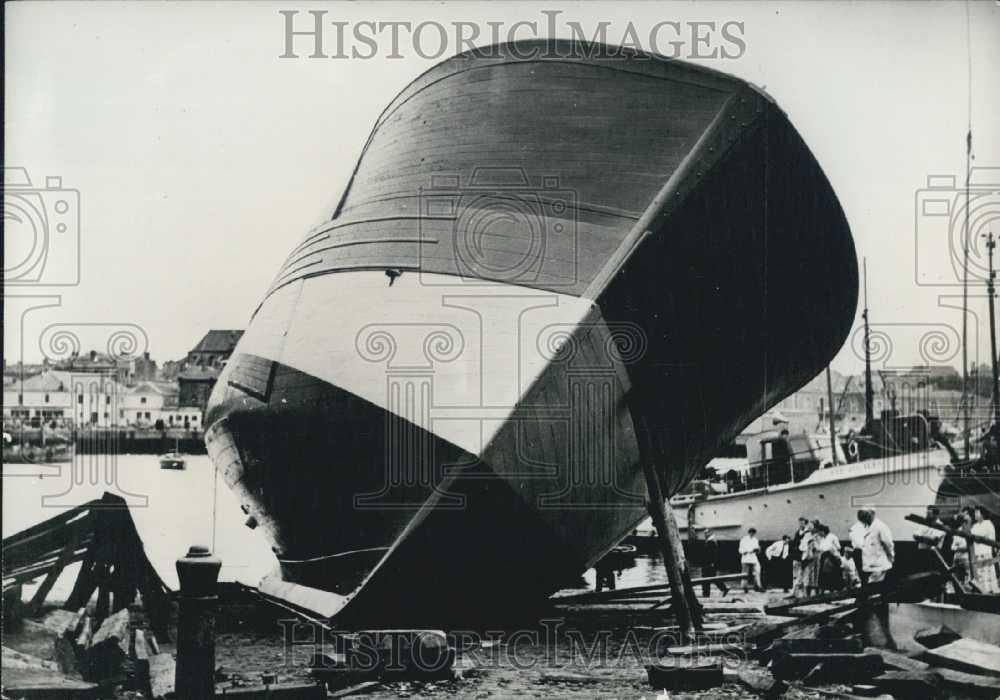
<point>973,562</point>
<point>814,560</point>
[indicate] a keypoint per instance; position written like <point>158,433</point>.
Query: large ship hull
<point>547,271</point>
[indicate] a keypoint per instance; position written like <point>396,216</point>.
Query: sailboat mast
<point>869,398</point>
<point>991,293</point>
<point>965,300</point>
<point>833,430</point>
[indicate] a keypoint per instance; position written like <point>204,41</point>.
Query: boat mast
<point>991,293</point>
<point>833,431</point>
<point>965,297</point>
<point>869,398</point>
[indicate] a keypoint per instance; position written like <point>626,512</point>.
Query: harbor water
<point>175,509</point>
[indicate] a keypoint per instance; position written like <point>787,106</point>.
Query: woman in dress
<point>984,567</point>
<point>810,562</point>
<point>828,547</point>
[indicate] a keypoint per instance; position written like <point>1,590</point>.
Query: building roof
<point>46,381</point>
<point>150,386</point>
<point>65,380</point>
<point>218,341</point>
<point>198,374</point>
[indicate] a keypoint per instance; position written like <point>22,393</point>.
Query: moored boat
<point>172,460</point>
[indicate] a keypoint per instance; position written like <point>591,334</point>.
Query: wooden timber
<point>102,536</point>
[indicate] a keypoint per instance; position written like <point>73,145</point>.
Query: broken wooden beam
<point>848,645</point>
<point>761,682</point>
<point>651,591</point>
<point>702,677</point>
<point>920,520</point>
<point>917,580</point>
<point>897,661</point>
<point>700,649</point>
<point>836,668</point>
<point>356,689</point>
<point>109,647</point>
<point>763,633</point>
<point>968,655</point>
<point>162,670</point>
<point>683,601</point>
<point>910,684</point>
<point>276,691</point>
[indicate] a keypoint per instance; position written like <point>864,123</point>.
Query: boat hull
<point>896,487</point>
<point>535,283</point>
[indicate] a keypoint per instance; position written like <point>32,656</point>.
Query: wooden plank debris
<point>659,591</point>
<point>46,685</point>
<point>277,691</point>
<point>102,535</point>
<point>162,669</point>
<point>837,668</point>
<point>897,661</point>
<point>971,683</point>
<point>356,689</point>
<point>701,677</point>
<point>704,649</point>
<point>910,684</point>
<point>761,682</point>
<point>27,676</point>
<point>849,645</point>
<point>18,659</point>
<point>109,647</point>
<point>967,655</point>
<point>934,637</point>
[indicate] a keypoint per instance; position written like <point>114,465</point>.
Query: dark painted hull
<point>651,259</point>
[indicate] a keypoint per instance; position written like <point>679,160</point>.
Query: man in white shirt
<point>878,551</point>
<point>877,557</point>
<point>857,537</point>
<point>749,547</point>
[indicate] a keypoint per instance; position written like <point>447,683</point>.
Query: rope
<point>215,500</point>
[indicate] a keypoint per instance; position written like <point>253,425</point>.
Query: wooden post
<point>681,590</point>
<point>198,573</point>
<point>674,535</point>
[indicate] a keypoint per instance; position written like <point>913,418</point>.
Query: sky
<point>199,157</point>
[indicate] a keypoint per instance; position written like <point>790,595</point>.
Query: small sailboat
<point>173,459</point>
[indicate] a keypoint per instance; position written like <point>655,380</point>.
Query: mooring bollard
<point>198,573</point>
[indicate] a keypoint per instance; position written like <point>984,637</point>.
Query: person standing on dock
<point>857,536</point>
<point>851,579</point>
<point>878,551</point>
<point>983,564</point>
<point>811,558</point>
<point>778,555</point>
<point>828,576</point>
<point>749,561</point>
<point>710,564</point>
<point>798,586</point>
